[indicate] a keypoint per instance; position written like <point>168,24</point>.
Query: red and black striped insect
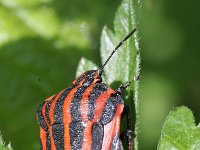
<point>85,116</point>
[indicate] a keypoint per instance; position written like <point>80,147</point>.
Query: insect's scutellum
<point>86,115</point>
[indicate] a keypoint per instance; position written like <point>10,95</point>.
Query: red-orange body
<point>85,116</point>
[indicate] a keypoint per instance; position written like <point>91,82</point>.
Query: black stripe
<point>97,136</point>
<point>48,142</point>
<point>76,135</point>
<point>96,92</point>
<point>58,126</point>
<point>58,136</point>
<point>110,108</point>
<point>58,110</point>
<point>40,117</point>
<point>75,103</point>
<point>47,108</point>
<point>116,144</point>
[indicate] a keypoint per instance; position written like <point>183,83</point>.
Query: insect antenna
<point>116,48</point>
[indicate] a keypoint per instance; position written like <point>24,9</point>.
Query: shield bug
<point>85,116</point>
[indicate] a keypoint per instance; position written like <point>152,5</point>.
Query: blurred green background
<point>42,41</point>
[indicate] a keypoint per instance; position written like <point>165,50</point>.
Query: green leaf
<point>125,64</point>
<point>179,131</point>
<point>2,144</point>
<point>123,25</point>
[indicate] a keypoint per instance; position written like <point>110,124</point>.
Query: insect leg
<point>128,134</point>
<point>121,89</point>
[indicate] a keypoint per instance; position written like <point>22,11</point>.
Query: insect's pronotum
<point>85,116</point>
